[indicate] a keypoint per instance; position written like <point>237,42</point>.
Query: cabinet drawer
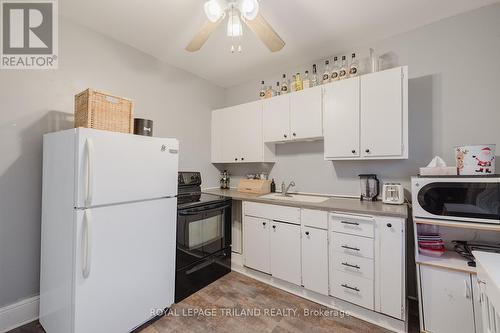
<point>356,266</point>
<point>314,218</point>
<point>353,289</point>
<point>272,212</point>
<point>353,224</point>
<point>353,245</point>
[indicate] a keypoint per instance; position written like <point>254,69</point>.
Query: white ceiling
<point>312,29</point>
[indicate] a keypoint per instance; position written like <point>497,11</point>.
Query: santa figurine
<point>484,160</point>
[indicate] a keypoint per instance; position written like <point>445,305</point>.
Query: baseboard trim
<point>19,313</point>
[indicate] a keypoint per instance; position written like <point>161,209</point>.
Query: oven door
<point>459,199</point>
<point>202,231</point>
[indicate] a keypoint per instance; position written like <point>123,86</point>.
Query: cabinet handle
<point>235,159</point>
<point>350,223</point>
<point>274,227</point>
<point>307,233</point>
<point>367,151</point>
<point>294,134</point>
<point>350,248</point>
<point>352,266</point>
<point>389,225</point>
<point>349,287</point>
<point>263,223</point>
<point>353,151</point>
<point>242,158</point>
<point>285,136</point>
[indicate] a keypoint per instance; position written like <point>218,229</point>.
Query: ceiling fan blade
<point>266,33</point>
<point>202,36</point>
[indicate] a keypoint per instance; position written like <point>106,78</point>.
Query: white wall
<point>35,102</point>
<point>454,99</point>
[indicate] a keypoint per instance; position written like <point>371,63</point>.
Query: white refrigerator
<point>109,213</point>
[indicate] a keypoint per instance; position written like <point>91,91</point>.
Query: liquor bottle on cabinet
<point>314,77</point>
<point>306,83</point>
<point>354,68</point>
<point>298,82</point>
<point>293,84</point>
<point>284,85</point>
<point>336,69</point>
<point>269,92</point>
<point>343,69</point>
<point>277,92</point>
<point>262,93</point>
<point>327,72</point>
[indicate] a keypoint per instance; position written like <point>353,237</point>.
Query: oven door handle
<point>198,211</point>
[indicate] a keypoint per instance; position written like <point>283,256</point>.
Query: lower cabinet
<point>356,258</point>
<point>285,252</point>
<point>447,298</point>
<point>273,248</point>
<point>315,260</point>
<point>256,243</point>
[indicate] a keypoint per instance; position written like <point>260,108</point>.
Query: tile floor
<point>237,293</point>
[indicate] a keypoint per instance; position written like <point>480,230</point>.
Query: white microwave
<point>466,199</point>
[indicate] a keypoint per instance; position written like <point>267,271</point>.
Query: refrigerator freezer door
<point>116,167</point>
<point>124,265</point>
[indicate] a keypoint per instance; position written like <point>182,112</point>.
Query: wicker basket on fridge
<point>99,110</point>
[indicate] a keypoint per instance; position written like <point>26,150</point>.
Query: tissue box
<point>438,171</point>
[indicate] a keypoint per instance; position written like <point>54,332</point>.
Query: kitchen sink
<point>295,197</point>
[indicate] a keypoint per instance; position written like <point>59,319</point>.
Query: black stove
<point>203,236</point>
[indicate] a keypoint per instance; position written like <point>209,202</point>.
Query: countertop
<point>339,204</point>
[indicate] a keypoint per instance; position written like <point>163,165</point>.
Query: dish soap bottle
<point>273,186</point>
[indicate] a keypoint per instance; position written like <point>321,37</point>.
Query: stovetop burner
<point>198,199</point>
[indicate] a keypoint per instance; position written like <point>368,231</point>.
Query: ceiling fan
<point>237,11</point>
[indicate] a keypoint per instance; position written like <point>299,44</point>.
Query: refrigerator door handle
<point>86,245</point>
<point>90,172</point>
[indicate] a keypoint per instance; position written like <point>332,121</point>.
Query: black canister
<point>143,127</point>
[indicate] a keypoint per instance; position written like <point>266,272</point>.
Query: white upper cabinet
<point>306,114</point>
<point>384,113</point>
<point>295,116</point>
<point>237,135</point>
<point>341,119</point>
<point>276,115</point>
<point>367,117</point>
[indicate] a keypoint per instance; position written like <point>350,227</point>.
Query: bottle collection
<point>337,71</point>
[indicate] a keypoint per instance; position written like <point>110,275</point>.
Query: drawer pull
<point>350,223</point>
<point>352,266</point>
<point>350,248</point>
<point>349,287</point>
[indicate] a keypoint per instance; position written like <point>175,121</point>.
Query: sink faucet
<point>285,189</point>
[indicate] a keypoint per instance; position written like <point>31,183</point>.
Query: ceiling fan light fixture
<point>234,27</point>
<point>213,10</point>
<point>249,9</point>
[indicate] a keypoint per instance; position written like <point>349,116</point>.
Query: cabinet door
<point>276,115</point>
<point>306,114</point>
<point>341,119</point>
<point>391,266</point>
<point>382,113</point>
<point>247,138</point>
<point>447,300</point>
<point>256,246</point>
<point>224,135</point>
<point>315,260</point>
<point>285,252</point>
